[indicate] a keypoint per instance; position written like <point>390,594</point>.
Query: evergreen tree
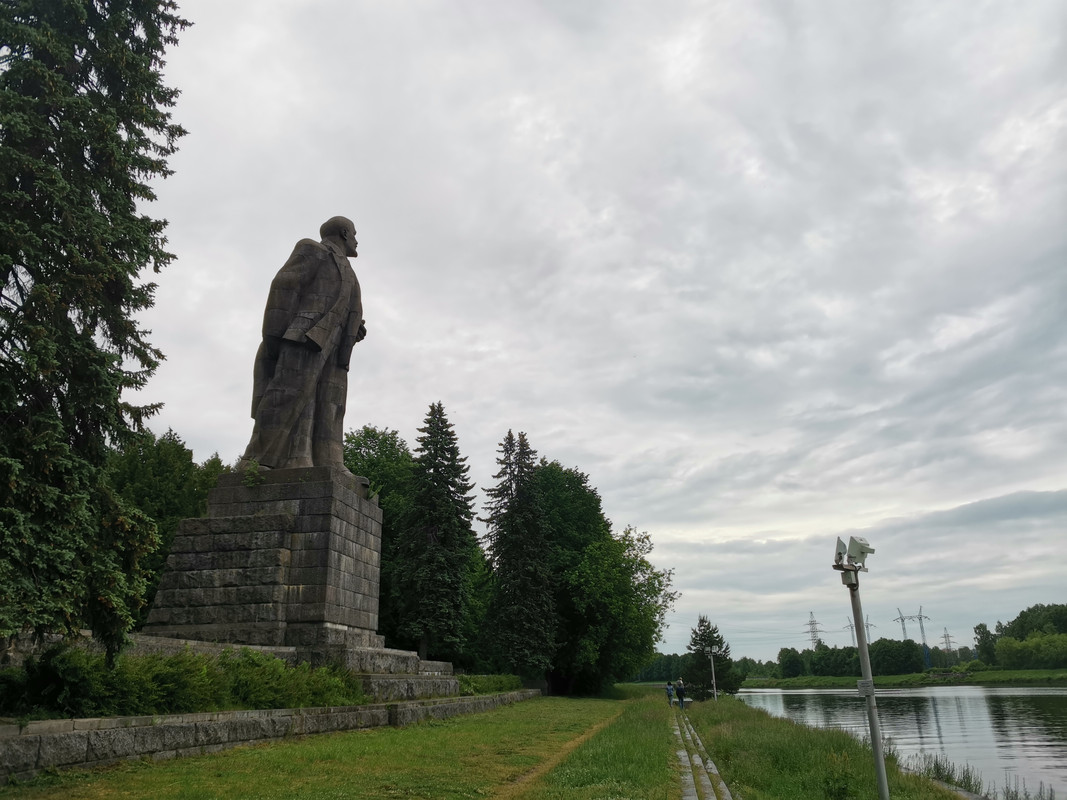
<point>437,551</point>
<point>522,618</point>
<point>382,456</point>
<point>84,128</point>
<point>698,672</point>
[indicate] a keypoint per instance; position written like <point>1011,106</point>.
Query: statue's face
<point>350,243</point>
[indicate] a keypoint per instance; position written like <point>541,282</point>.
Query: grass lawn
<point>543,748</point>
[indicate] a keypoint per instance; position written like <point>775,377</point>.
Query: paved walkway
<point>700,777</point>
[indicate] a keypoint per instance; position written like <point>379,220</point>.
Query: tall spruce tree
<point>522,617</point>
<point>698,672</point>
<point>84,128</point>
<point>437,552</point>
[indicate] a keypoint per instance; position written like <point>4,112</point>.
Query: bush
<point>488,684</point>
<point>75,682</point>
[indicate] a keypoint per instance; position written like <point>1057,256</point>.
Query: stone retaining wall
<point>67,743</point>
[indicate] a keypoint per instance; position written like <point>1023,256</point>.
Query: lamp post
<point>711,658</point>
<point>851,561</point>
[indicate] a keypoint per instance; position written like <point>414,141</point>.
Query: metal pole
<point>714,688</point>
<point>866,686</point>
<point>711,658</point>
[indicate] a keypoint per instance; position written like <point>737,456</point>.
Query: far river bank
<point>1018,677</point>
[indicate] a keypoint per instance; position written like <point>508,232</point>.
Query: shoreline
<point>1050,678</point>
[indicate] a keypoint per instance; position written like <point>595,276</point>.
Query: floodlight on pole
<point>851,560</point>
<point>711,658</point>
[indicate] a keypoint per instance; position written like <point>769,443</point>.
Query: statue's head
<point>342,231</point>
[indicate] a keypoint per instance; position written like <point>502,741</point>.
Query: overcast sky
<point>768,272</point>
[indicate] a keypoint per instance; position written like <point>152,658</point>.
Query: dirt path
<point>517,787</point>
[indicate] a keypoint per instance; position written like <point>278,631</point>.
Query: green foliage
<point>698,671</point>
<point>259,680</point>
<point>436,555</point>
<point>835,661</point>
<point>83,131</point>
<point>985,643</point>
<point>1036,619</point>
<point>1037,651</point>
<point>621,600</point>
<point>382,457</point>
<point>662,668</point>
<point>609,601</point>
<point>77,682</point>
<point>893,657</point>
<point>522,615</point>
<point>790,663</point>
<point>253,477</point>
<point>939,768</point>
<point>160,478</point>
<point>571,600</point>
<point>837,779</point>
<point>488,684</point>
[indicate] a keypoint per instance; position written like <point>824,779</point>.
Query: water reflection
<point>1003,733</point>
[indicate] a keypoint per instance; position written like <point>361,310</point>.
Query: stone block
<point>18,754</point>
<point>59,750</point>
<point>111,745</point>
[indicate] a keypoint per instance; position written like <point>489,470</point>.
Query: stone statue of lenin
<point>314,317</point>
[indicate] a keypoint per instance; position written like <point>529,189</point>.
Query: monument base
<point>285,557</point>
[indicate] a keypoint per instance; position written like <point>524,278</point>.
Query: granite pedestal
<point>286,557</point>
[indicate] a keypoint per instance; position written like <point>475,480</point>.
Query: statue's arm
<point>355,329</point>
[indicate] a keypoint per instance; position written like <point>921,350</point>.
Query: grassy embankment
<point>1017,677</point>
<point>546,748</point>
<point>768,758</point>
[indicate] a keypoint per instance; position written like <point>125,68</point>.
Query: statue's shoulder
<point>305,253</point>
<point>311,247</point>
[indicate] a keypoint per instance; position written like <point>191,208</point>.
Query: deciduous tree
<point>160,477</point>
<point>382,456</point>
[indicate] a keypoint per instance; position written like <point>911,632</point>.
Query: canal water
<point>1003,733</point>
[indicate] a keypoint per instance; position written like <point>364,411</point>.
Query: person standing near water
<point>680,691</point>
<point>670,693</point>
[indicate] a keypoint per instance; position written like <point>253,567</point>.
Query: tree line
<point>1035,639</point>
<point>550,592</point>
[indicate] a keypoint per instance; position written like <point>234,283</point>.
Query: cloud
<point>764,272</point>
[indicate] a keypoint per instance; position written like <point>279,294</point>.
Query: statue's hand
<point>361,334</point>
